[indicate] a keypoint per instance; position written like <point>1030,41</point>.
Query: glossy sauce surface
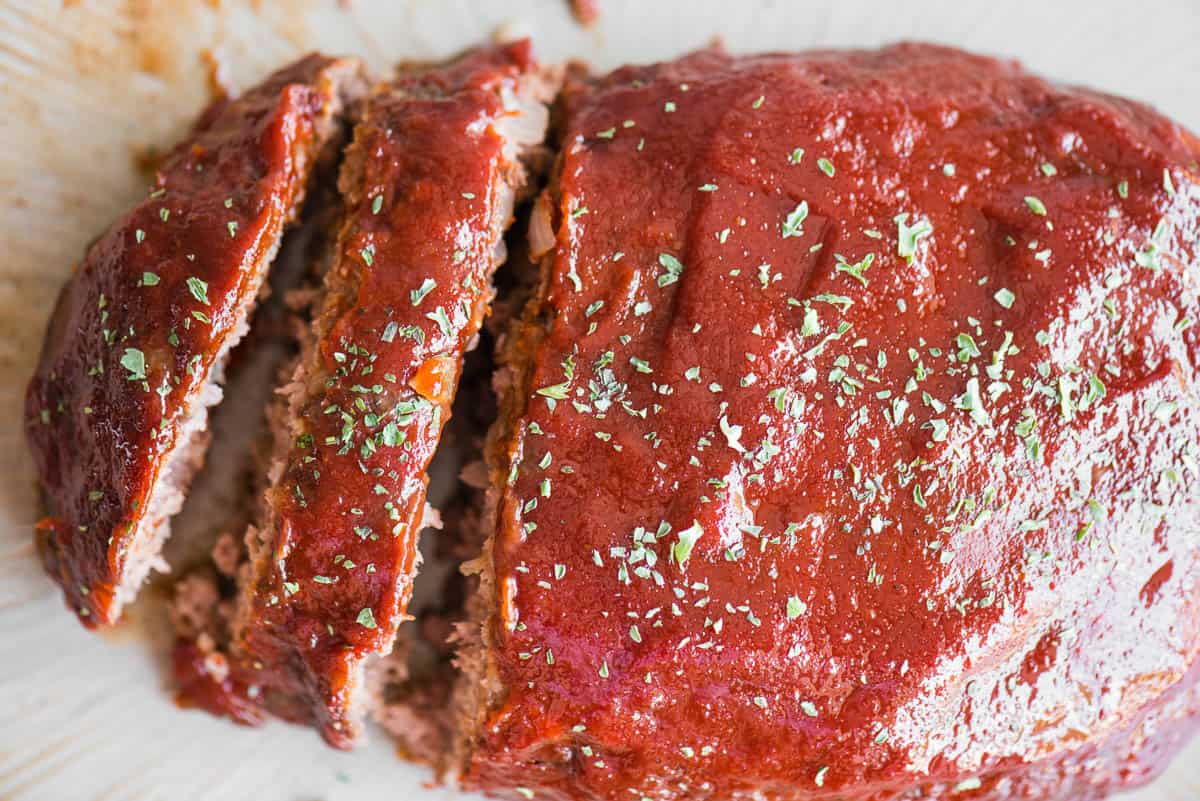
<point>860,453</point>
<point>136,332</point>
<point>412,283</point>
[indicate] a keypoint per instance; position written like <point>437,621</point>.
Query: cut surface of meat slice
<point>136,346</point>
<point>429,185</point>
<point>850,443</point>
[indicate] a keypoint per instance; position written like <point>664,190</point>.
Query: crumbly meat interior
<point>410,688</point>
<point>413,689</point>
<point>516,330</point>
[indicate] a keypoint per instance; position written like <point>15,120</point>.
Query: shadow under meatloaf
<point>136,347</point>
<point>848,448</point>
<point>429,185</point>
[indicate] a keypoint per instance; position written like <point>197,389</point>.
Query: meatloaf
<point>136,346</point>
<point>851,443</point>
<point>429,184</point>
<point>846,445</point>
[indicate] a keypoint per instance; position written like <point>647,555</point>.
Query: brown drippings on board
<point>219,86</point>
<point>586,11</point>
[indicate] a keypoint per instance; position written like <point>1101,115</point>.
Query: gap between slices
<point>412,689</point>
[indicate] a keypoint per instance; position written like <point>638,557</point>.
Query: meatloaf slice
<point>429,184</point>
<point>136,346</point>
<point>852,440</point>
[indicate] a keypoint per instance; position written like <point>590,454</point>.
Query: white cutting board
<point>84,86</point>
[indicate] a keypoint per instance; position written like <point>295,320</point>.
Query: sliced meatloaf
<point>429,184</point>
<point>136,346</point>
<point>851,442</point>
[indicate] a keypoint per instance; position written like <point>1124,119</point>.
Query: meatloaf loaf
<point>851,447</point>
